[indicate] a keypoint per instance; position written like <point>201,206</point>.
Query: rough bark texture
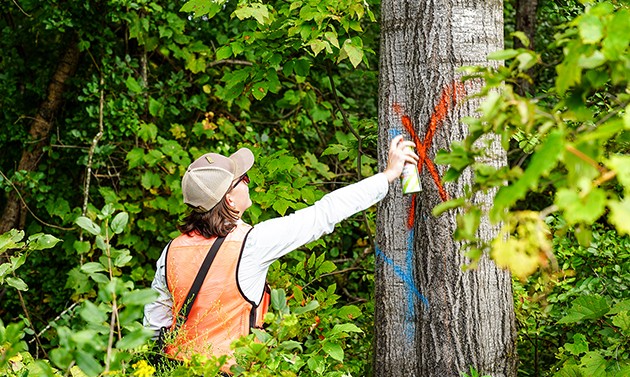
<point>39,131</point>
<point>469,321</point>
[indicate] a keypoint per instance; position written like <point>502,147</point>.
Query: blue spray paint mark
<point>406,275</point>
<point>393,132</point>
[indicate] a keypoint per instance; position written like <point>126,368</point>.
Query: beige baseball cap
<point>210,177</point>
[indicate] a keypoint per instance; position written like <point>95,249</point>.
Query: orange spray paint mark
<point>448,99</point>
<point>412,211</point>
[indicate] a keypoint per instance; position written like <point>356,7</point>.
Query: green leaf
<point>622,320</point>
<point>147,132</point>
<point>260,89</point>
<point>594,364</point>
<point>332,38</point>
<point>621,165</point>
<point>99,278</point>
<point>503,54</point>
<point>467,224</point>
<point>120,222</point>
<point>42,241</point>
<point>203,7</point>
<point>521,37</point>
<point>620,215</point>
<point>569,71</point>
<point>156,108</point>
<point>123,258</point>
<point>326,267</point>
<point>290,345</point>
<point>139,297</point>
<point>16,283</point>
<point>281,205</point>
<point>579,209</point>
<point>334,350</point>
<point>543,160</point>
<point>278,299</point>
<point>92,267</point>
<point>17,261</point>
<point>258,11</point>
<point>88,363</point>
<point>352,52</point>
<point>585,308</point>
<point>526,60</point>
<point>344,328</point>
<point>317,45</point>
<point>88,225</point>
<point>4,270</point>
<point>350,312</point>
<point>620,307</point>
<point>150,180</point>
<point>223,52</point>
<point>135,157</point>
<point>134,339</point>
<point>132,85</point>
<point>591,61</point>
<point>316,364</point>
<point>579,345</point>
<point>311,305</point>
<point>617,37</point>
<point>302,67</point>
<point>604,131</point>
<point>92,313</point>
<point>11,240</point>
<point>590,28</point>
<point>569,371</point>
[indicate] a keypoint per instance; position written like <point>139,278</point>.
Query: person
<point>234,296</point>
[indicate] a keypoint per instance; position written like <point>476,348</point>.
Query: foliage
<point>580,131</point>
<point>164,88</point>
<point>574,322</point>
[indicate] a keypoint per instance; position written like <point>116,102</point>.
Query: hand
<point>400,152</point>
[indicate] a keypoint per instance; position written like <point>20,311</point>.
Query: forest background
<point>105,104</point>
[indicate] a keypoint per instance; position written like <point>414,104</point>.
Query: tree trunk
<point>39,131</point>
<point>468,317</point>
<point>526,22</point>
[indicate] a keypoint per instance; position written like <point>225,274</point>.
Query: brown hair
<point>218,222</point>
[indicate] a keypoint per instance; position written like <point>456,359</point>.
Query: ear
<point>229,199</point>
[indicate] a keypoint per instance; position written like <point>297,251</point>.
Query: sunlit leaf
<point>88,225</point>
<point>16,283</point>
<point>120,222</point>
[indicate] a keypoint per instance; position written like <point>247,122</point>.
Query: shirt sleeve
<point>159,313</point>
<point>271,239</point>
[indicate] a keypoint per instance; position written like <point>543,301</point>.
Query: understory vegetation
<point>157,85</point>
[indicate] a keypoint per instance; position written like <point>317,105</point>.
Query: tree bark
<point>39,131</point>
<point>526,22</point>
<point>468,318</point>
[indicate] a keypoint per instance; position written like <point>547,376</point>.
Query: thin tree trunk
<point>526,22</point>
<point>39,131</point>
<point>468,317</point>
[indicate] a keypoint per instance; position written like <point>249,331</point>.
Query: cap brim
<point>244,160</point>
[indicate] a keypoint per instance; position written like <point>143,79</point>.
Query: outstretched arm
<point>274,238</point>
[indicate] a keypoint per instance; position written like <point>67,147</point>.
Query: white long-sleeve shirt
<point>271,239</point>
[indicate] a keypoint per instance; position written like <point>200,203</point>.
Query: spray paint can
<point>410,179</point>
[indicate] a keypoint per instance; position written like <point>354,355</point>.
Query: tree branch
<point>97,138</point>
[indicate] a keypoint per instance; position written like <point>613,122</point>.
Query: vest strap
<point>182,316</point>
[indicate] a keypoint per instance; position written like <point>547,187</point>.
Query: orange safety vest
<point>220,313</point>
